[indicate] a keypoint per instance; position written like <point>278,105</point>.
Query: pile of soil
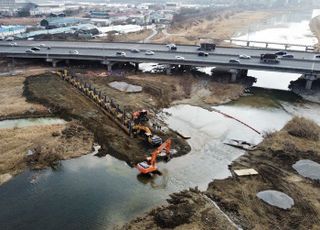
<point>188,209</point>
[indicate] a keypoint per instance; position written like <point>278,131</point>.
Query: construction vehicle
<point>140,116</point>
<point>146,132</point>
<point>149,166</point>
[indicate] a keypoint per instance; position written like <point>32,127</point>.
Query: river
<point>97,193</point>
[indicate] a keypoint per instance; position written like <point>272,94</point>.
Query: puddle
<point>308,168</point>
<point>20,123</point>
<point>125,87</point>
<point>276,198</point>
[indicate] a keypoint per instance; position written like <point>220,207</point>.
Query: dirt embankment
<point>160,90</point>
<point>315,28</point>
<point>189,209</point>
<point>236,196</point>
<point>128,37</point>
<point>273,159</point>
<point>221,26</point>
<point>12,102</point>
<point>68,102</point>
<point>49,144</point>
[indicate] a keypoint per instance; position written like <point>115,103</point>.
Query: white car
<point>242,56</point>
<point>13,44</point>
<point>74,52</point>
<point>179,58</point>
<point>149,52</point>
<point>42,45</point>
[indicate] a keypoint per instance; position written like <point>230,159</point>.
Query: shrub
<point>304,128</point>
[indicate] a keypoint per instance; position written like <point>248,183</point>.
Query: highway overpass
<point>303,62</point>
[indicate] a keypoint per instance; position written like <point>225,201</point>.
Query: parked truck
<point>269,58</point>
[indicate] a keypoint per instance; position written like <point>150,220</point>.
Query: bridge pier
<point>136,67</point>
<point>53,61</point>
<point>309,80</point>
<point>168,69</point>
<point>234,74</point>
<point>109,64</point>
<point>267,44</point>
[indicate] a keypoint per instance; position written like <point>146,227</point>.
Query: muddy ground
<point>161,90</point>
<point>189,209</point>
<point>237,196</point>
<point>67,102</point>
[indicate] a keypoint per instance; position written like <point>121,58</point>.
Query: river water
<point>97,193</point>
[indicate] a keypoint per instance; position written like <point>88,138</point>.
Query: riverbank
<point>236,196</point>
<point>220,26</point>
<point>47,143</point>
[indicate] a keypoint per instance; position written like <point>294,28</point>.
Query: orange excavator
<point>146,132</point>
<point>140,116</point>
<point>149,166</point>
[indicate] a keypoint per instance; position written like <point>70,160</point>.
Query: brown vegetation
<point>12,102</point>
<point>49,144</point>
<point>220,26</point>
<point>302,127</point>
<point>273,160</point>
<point>20,21</point>
<point>189,209</point>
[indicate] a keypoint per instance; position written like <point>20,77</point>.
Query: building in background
<point>7,4</point>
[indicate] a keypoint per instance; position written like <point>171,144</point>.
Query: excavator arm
<point>150,166</point>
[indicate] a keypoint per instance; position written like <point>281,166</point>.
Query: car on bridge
<point>135,51</point>
<point>203,54</point>
<point>172,47</point>
<point>287,56</point>
<point>122,54</point>
<point>30,51</point>
<point>269,58</point>
<point>35,48</point>
<point>234,61</point>
<point>149,52</point>
<point>243,56</point>
<point>317,56</point>
<point>76,52</point>
<point>281,53</point>
<point>179,58</point>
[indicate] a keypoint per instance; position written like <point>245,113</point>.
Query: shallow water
<point>308,168</point>
<point>276,198</point>
<point>20,123</point>
<point>125,87</point>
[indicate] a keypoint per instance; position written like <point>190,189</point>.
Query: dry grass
<point>20,21</point>
<point>132,37</point>
<point>46,144</point>
<point>221,27</point>
<point>298,135</point>
<point>12,102</point>
<point>302,127</point>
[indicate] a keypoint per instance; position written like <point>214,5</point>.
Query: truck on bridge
<point>269,58</point>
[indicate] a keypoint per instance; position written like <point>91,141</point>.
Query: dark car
<point>317,56</point>
<point>287,56</point>
<point>234,61</point>
<point>203,54</point>
<point>281,53</point>
<point>35,48</point>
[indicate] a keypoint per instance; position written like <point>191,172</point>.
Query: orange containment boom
<point>149,165</point>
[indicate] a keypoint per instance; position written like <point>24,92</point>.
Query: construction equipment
<point>140,116</point>
<point>149,166</point>
<point>146,132</point>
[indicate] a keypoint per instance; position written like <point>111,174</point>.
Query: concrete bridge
<point>303,62</point>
